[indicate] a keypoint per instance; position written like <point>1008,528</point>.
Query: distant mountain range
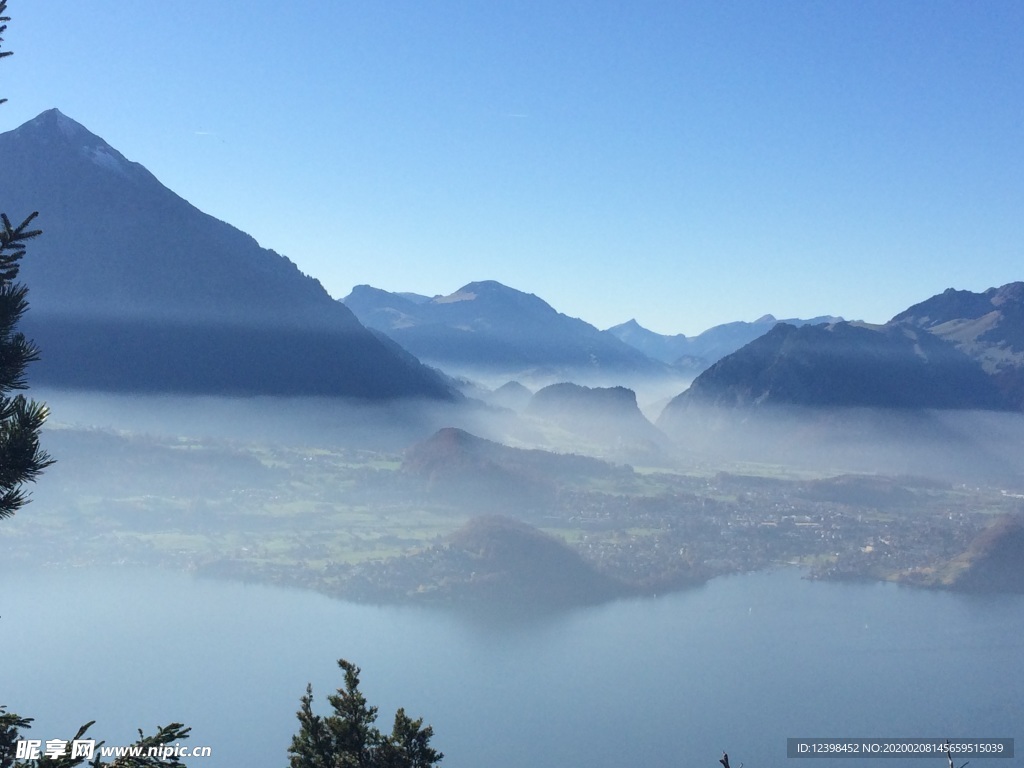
<point>489,327</point>
<point>701,351</point>
<point>132,288</point>
<point>958,350</point>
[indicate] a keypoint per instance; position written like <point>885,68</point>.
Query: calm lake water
<point>738,665</point>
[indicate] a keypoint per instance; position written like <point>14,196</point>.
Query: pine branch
<point>13,239</point>
<point>21,458</point>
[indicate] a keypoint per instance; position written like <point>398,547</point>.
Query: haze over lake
<point>738,665</point>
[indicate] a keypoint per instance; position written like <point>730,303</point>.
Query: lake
<point>738,665</point>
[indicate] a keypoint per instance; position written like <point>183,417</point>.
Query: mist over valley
<point>480,459</point>
<point>290,416</point>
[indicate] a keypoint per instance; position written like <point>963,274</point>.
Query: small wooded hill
<point>463,468</point>
<point>867,491</point>
<point>494,561</point>
<point>132,288</point>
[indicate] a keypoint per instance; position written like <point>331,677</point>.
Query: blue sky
<point>683,163</point>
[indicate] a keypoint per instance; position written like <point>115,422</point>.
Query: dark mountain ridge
<point>931,392</point>
<point>133,288</point>
<point>949,304</point>
<point>845,364</point>
<point>489,326</point>
<point>988,327</point>
<point>956,350</point>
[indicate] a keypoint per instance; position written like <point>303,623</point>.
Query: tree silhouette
<point>21,459</point>
<point>349,739</point>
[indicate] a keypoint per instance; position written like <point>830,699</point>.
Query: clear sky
<point>683,163</point>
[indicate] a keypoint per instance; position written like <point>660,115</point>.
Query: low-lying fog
<point>385,503</point>
<point>339,495</point>
<point>979,447</point>
<point>375,501</point>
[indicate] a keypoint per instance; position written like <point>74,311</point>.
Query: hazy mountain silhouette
<point>668,349</point>
<point>608,416</point>
<point>511,395</point>
<point>699,352</point>
<point>489,326</point>
<point>133,288</point>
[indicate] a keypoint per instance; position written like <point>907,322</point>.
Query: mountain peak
<point>55,124</point>
<point>64,124</point>
<point>472,291</point>
<point>364,290</point>
<point>629,325</point>
<point>133,288</point>
<point>52,131</point>
<point>492,286</point>
<point>493,293</point>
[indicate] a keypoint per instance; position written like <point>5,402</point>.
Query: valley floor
<point>358,525</point>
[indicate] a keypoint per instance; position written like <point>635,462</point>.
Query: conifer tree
<point>21,459</point>
<point>349,739</point>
